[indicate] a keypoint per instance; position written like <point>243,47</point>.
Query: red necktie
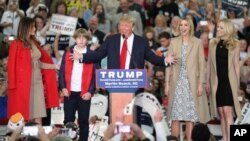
<point>123,54</point>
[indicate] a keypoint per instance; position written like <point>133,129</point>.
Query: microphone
<point>131,58</point>
<point>123,36</point>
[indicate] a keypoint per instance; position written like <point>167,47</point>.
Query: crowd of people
<point>196,52</point>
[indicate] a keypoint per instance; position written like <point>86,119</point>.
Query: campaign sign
<point>119,79</point>
<point>239,132</point>
<point>235,5</point>
<point>63,41</point>
<point>65,25</point>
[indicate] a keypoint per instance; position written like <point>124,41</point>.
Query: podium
<point>122,84</point>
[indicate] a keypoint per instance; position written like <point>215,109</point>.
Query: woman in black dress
<point>223,75</point>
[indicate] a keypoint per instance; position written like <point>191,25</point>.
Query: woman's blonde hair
<point>162,18</point>
<point>230,31</point>
<point>190,23</point>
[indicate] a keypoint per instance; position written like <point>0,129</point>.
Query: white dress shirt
<point>130,41</point>
<point>76,77</point>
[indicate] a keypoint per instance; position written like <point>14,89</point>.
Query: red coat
<point>19,80</point>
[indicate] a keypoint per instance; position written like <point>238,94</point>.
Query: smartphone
<point>94,40</point>
<point>122,129</point>
<point>11,38</point>
<point>30,131</point>
<point>33,130</point>
<point>203,23</point>
<point>64,131</point>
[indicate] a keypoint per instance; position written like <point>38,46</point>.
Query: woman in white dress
<point>184,81</point>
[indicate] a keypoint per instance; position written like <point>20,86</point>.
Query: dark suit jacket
<point>111,48</point>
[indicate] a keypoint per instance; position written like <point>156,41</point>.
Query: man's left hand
<point>76,55</point>
<point>170,59</point>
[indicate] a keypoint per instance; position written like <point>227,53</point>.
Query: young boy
<point>76,81</point>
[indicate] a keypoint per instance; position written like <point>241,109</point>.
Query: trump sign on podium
<point>121,80</point>
<point>121,84</point>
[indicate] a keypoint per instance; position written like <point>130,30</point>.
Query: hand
<point>41,130</point>
<point>211,26</point>
<point>65,92</point>
<point>94,46</point>
<point>137,131</point>
<point>53,133</point>
<point>41,133</point>
<point>208,89</point>
<point>199,90</point>
<point>76,55</point>
<point>110,132</point>
<point>170,59</point>
<point>166,90</point>
<point>86,96</point>
<point>158,116</point>
<point>57,35</point>
<point>57,66</point>
<point>16,135</point>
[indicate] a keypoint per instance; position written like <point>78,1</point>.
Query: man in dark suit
<point>138,49</point>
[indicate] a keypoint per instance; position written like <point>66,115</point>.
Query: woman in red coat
<point>31,75</point>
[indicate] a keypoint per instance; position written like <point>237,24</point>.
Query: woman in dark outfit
<point>223,76</point>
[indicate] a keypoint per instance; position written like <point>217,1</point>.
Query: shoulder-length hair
<point>190,23</point>
<point>230,31</point>
<point>23,31</point>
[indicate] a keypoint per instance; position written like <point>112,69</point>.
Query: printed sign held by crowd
<point>235,6</point>
<point>65,25</point>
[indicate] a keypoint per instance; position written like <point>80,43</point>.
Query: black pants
<point>75,103</point>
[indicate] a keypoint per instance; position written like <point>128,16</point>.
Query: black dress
<point>224,95</point>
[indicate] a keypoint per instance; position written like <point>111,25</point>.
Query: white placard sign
<point>64,25</point>
<point>245,115</point>
<point>149,103</point>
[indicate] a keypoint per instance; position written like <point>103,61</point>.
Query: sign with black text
<point>235,5</point>
<point>63,41</point>
<point>121,78</point>
<point>65,25</point>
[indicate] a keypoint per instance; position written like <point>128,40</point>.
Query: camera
<point>122,129</point>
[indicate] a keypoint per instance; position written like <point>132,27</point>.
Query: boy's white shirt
<point>76,77</point>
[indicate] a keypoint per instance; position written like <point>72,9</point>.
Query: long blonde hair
<point>230,31</point>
